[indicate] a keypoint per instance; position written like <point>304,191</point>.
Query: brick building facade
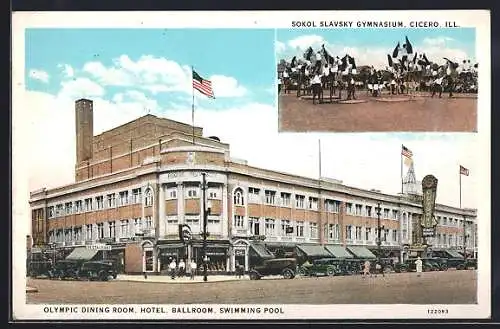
<point>136,183</point>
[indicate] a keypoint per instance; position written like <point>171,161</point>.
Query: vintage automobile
<point>455,262</point>
<point>97,270</point>
<point>471,263</point>
<point>66,269</point>
<point>321,267</point>
<point>277,266</point>
<point>39,268</point>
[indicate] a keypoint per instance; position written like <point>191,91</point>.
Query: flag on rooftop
<point>406,151</point>
<point>464,171</point>
<point>202,85</point>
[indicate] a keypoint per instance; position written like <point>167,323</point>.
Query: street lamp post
<point>379,241</point>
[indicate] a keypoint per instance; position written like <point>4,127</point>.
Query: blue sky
<point>373,44</point>
<point>245,55</point>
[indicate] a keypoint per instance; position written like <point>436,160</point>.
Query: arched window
<point>148,197</point>
<point>238,197</point>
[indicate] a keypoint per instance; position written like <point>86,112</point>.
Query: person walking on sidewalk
<point>193,269</point>
<point>182,268</point>
<point>366,269</point>
<point>172,267</point>
<point>418,265</point>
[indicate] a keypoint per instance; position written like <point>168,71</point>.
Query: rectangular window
<point>78,206</point>
<point>358,233</point>
<point>313,230</point>
<point>270,227</point>
<point>348,232</point>
<point>254,225</point>
<point>192,192</point>
<point>299,201</point>
<point>348,208</point>
<point>138,225</point>
<point>386,234</point>
<point>394,214</point>
<point>445,221</point>
<point>395,235</point>
<point>270,197</point>
<point>136,195</point>
<point>148,197</point>
<point>300,228</point>
<point>68,208</point>
<point>313,203</point>
<point>332,205</point>
<point>334,231</point>
<point>89,236</point>
<point>100,230</point>
<point>148,220</point>
<point>358,211</point>
<point>253,195</point>
<point>285,223</point>
<point>285,199</point>
<point>60,210</point>
<point>213,221</point>
<point>386,213</point>
<point>368,232</point>
<point>192,220</point>
<point>111,229</point>
<point>173,220</point>
<point>124,228</point>
<point>111,201</point>
<point>52,212</point>
<point>89,205</point>
<point>238,221</point>
<point>123,198</point>
<point>213,193</point>
<point>368,211</point>
<point>171,192</point>
<point>99,202</point>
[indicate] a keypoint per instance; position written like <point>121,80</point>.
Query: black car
<point>40,268</point>
<point>277,266</point>
<point>320,267</point>
<point>66,269</point>
<point>97,270</point>
<point>455,262</point>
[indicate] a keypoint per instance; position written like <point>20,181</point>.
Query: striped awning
<point>361,252</point>
<point>82,253</point>
<point>261,250</point>
<point>314,250</point>
<point>338,251</point>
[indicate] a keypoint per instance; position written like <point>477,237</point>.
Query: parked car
<point>277,266</point>
<point>471,263</point>
<point>97,270</point>
<point>39,268</point>
<point>320,267</point>
<point>66,269</point>
<point>455,262</point>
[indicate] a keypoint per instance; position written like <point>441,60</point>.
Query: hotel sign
<point>428,220</point>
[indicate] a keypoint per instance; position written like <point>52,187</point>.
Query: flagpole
<point>460,184</point>
<point>401,158</point>
<point>192,108</point>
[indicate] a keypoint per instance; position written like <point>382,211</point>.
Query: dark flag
<point>427,62</point>
<point>352,62</point>
<point>396,51</point>
<point>389,60</point>
<point>343,66</point>
<point>452,64</point>
<point>326,55</point>
<point>408,46</point>
<point>293,63</point>
<point>308,53</point>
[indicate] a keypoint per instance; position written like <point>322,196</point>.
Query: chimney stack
<point>84,117</point>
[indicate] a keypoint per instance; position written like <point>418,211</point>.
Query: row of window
<point>127,228</point>
<point>111,200</point>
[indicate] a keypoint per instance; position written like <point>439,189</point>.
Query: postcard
<point>180,166</point>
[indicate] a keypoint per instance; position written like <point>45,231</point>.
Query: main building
<point>136,183</point>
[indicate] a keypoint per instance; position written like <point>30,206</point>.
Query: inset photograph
<point>369,80</point>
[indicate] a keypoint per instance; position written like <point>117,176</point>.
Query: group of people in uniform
<point>404,74</point>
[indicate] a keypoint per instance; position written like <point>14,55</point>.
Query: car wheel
<point>288,273</point>
<point>461,267</point>
<point>253,276</point>
<point>302,271</point>
<point>330,271</point>
<point>103,276</point>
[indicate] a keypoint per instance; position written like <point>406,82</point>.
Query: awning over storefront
<point>454,254</point>
<point>314,251</point>
<point>171,246</point>
<point>261,250</point>
<point>82,253</point>
<point>286,245</point>
<point>338,251</point>
<point>361,252</point>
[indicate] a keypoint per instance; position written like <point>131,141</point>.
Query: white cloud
<point>279,46</point>
<point>434,48</point>
<point>39,75</point>
<point>158,74</point>
<point>68,70</point>
<point>80,87</point>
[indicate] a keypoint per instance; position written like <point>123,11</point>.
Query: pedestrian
<point>418,265</point>
<point>182,268</point>
<point>366,269</point>
<point>193,269</point>
<point>172,266</point>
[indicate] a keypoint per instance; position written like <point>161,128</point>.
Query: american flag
<point>406,151</point>
<point>464,171</point>
<point>202,85</point>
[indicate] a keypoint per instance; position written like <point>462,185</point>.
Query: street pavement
<point>448,287</point>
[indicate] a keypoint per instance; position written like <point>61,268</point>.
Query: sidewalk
<point>167,279</point>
